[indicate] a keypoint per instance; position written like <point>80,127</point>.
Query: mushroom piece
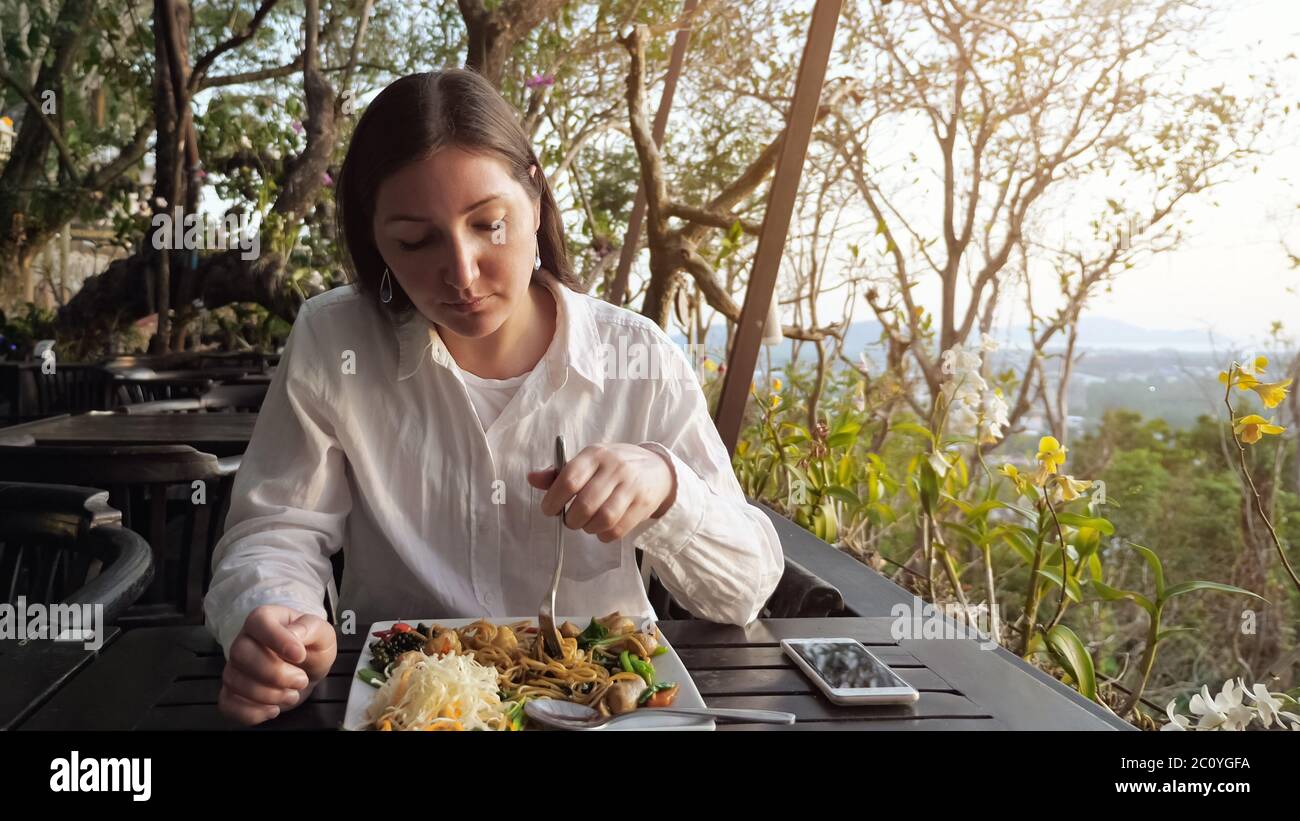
<point>617,624</point>
<point>622,695</point>
<point>444,640</point>
<point>634,643</point>
<point>569,630</point>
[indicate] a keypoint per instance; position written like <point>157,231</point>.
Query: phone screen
<point>847,665</point>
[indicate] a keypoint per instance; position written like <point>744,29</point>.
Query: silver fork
<point>546,618</point>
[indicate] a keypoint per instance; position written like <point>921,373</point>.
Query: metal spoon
<point>567,715</point>
<point>546,617</point>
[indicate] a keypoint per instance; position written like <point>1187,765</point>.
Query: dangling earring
<point>385,288</point>
<point>537,260</point>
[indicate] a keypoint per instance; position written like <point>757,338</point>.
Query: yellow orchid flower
<point>1244,377</point>
<point>776,401</point>
<point>710,366</point>
<point>1251,428</point>
<point>1067,488</point>
<point>776,384</point>
<point>1051,453</point>
<point>1272,393</point>
<point>1011,472</point>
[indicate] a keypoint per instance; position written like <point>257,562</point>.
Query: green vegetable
<point>371,677</point>
<point>635,664</point>
<point>654,688</point>
<point>660,650</point>
<point>594,633</point>
<point>516,715</point>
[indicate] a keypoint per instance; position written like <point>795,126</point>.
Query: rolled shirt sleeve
<point>290,500</point>
<point>718,555</point>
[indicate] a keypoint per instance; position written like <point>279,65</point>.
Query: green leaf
<point>886,513</point>
<point>843,439</point>
<point>928,485</point>
<point>1087,541</point>
<point>832,522</point>
<point>1095,522</point>
<point>844,495</point>
<point>914,429</point>
<point>1070,653</point>
<point>1016,541</point>
<point>1113,594</point>
<point>844,471</point>
<point>1188,587</point>
<point>1157,569</point>
<point>1072,589</point>
<point>968,533</point>
<point>792,434</point>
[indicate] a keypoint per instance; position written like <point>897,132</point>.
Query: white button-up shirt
<point>367,442</point>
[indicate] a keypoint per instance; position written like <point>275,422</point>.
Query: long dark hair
<point>409,121</point>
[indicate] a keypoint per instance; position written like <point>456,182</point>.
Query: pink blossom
<point>297,127</point>
<point>540,80</point>
<point>326,178</point>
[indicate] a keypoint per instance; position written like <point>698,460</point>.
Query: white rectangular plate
<point>668,666</point>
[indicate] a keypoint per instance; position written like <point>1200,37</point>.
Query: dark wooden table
<point>222,434</point>
<point>33,671</point>
<point>169,677</point>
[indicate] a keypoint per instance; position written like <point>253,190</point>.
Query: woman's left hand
<point>614,488</point>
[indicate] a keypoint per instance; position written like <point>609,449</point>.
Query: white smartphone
<point>847,672</point>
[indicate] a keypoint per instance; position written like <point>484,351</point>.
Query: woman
<point>413,417</point>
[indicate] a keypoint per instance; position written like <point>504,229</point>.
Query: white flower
<point>939,464</point>
<point>957,360</point>
<point>963,419</point>
<point>1268,707</point>
<point>244,142</point>
<point>160,202</point>
<point>1203,705</point>
<point>993,417</point>
<point>864,363</point>
<point>966,389</point>
<point>988,343</point>
<point>1176,722</point>
<point>1224,711</point>
<point>273,152</point>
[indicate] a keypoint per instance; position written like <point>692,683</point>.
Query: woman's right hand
<point>276,660</point>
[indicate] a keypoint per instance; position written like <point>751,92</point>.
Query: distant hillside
<point>1171,374</point>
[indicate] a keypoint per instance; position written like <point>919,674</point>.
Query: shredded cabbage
<point>450,692</point>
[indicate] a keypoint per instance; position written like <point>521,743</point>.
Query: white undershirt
<point>490,396</point>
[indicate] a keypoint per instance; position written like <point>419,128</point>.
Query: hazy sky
<point>1232,274</point>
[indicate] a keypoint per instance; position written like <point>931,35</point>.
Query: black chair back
<point>173,495</point>
<point>64,544</point>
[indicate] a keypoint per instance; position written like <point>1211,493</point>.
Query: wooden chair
<point>64,544</point>
<point>134,390</point>
<point>71,388</point>
<point>219,399</point>
<point>153,486</point>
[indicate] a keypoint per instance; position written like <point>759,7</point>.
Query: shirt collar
<point>576,346</point>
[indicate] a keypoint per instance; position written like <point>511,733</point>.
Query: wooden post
<point>776,222</point>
